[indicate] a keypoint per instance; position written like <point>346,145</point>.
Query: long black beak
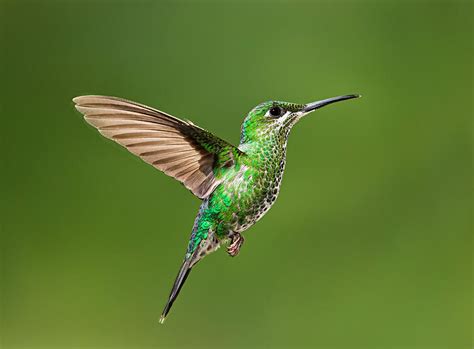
<point>319,104</point>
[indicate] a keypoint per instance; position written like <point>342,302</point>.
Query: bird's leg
<point>234,247</point>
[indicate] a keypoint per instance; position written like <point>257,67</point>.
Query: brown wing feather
<point>160,139</point>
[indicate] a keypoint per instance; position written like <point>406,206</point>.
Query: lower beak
<point>319,104</point>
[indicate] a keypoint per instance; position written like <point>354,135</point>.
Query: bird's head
<point>275,118</point>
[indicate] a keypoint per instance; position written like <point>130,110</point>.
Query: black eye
<point>276,111</point>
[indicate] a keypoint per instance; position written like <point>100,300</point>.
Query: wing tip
<point>79,99</point>
<point>85,98</point>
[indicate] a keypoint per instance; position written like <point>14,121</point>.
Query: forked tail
<point>178,283</point>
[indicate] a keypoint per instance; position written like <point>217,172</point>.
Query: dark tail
<point>178,283</point>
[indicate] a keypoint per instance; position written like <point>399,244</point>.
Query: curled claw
<point>234,248</point>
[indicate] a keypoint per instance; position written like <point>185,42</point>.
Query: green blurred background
<point>369,244</point>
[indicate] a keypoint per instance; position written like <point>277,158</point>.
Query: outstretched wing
<point>176,147</point>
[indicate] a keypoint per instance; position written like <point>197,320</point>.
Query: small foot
<point>234,248</point>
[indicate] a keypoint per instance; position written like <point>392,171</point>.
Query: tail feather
<point>178,283</point>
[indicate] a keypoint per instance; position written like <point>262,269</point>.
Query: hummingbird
<point>237,185</point>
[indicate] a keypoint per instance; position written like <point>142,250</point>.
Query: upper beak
<point>319,104</point>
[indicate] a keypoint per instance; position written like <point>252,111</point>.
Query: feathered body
<point>238,185</point>
<point>248,187</point>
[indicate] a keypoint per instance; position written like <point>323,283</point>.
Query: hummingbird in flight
<point>237,185</point>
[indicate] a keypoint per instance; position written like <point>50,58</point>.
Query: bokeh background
<point>369,244</point>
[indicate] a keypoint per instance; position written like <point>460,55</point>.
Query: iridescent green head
<point>277,118</point>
